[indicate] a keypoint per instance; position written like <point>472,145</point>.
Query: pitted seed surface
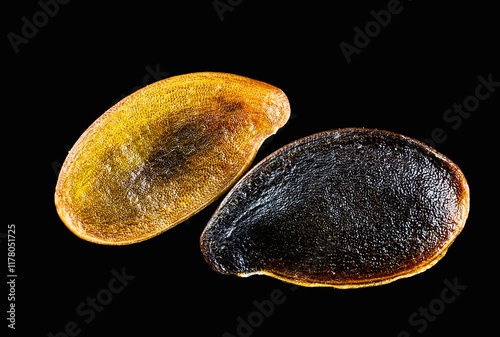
<point>163,153</point>
<point>344,208</point>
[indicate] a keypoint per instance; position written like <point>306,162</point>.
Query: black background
<point>89,54</point>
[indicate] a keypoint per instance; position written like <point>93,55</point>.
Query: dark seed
<point>345,208</point>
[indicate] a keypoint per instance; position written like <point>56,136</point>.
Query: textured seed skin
<point>345,208</point>
<point>163,153</point>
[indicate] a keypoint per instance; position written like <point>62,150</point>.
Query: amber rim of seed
<point>74,224</point>
<point>460,218</point>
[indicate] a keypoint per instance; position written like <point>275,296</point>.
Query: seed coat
<point>345,208</point>
<point>163,153</point>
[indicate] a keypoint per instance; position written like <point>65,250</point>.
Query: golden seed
<point>163,153</point>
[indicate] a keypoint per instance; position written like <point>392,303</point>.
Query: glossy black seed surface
<point>343,208</point>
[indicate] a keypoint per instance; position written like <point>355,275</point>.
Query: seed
<point>345,208</point>
<point>163,153</point>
